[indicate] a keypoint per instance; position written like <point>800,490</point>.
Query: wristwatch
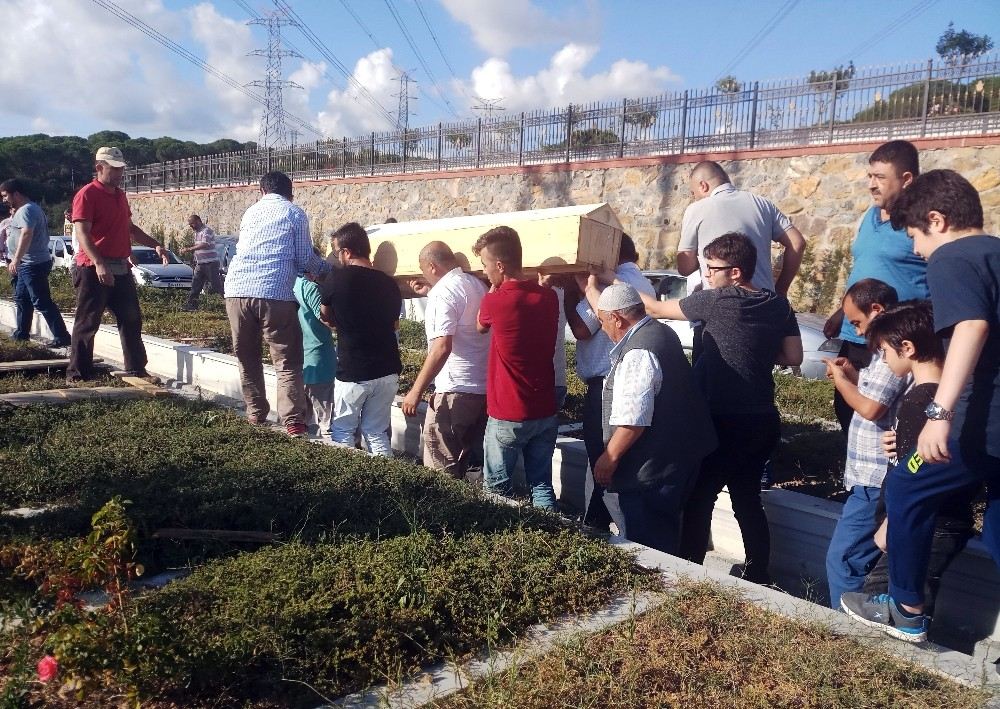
<point>936,412</point>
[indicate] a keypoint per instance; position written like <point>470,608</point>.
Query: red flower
<point>48,668</point>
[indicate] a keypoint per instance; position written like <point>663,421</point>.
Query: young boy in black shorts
<point>905,335</point>
<point>959,444</point>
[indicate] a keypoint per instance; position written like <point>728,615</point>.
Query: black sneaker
<point>59,344</point>
<point>881,612</point>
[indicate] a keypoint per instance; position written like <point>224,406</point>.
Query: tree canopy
<point>954,47</point>
<point>57,166</point>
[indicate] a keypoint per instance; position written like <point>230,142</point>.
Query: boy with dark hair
<point>873,393</point>
<point>905,336</point>
<point>959,444</point>
<point>522,317</point>
<point>747,331</point>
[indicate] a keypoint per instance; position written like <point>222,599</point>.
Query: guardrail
<point>843,105</point>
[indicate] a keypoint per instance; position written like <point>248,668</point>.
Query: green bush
<point>187,464</point>
<point>343,617</point>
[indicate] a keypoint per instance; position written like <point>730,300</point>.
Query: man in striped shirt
<point>275,247</point>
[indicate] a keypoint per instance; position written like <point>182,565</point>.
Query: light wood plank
<point>68,396</point>
<point>32,365</point>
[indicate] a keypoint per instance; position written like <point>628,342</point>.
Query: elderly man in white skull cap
<point>657,427</point>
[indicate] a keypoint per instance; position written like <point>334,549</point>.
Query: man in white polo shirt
<point>456,362</point>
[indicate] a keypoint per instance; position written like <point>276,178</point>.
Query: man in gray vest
<point>657,427</point>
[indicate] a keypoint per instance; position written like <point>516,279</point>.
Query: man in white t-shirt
<point>456,363</point>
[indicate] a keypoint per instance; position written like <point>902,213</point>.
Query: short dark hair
<point>943,191</point>
<point>16,184</point>
<point>901,154</point>
<point>353,237</point>
<point>911,320</point>
<point>627,252</point>
<point>276,182</point>
<point>504,245</point>
<point>869,292</point>
<point>735,249</point>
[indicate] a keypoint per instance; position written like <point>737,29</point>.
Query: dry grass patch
<point>708,647</point>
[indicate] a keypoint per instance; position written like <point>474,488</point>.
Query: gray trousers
<point>204,274</point>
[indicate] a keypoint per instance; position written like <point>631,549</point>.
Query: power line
<point>419,54</point>
<point>894,25</point>
<point>763,32</point>
<point>362,25</point>
<point>165,41</point>
<point>427,24</point>
<point>325,52</point>
<point>489,106</point>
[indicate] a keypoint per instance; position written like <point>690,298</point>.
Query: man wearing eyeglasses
<point>747,331</point>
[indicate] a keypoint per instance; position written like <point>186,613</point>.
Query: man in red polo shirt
<point>103,279</point>
<point>520,380</point>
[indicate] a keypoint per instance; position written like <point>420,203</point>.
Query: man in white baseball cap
<point>656,423</point>
<point>102,223</point>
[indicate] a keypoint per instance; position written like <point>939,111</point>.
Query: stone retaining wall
<point>824,192</point>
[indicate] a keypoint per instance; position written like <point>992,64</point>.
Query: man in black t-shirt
<point>363,305</point>
<point>747,331</point>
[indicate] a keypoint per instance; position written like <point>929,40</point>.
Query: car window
<point>57,248</point>
<point>671,287</point>
<point>145,257</point>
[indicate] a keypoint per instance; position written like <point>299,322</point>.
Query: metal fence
<point>841,106</point>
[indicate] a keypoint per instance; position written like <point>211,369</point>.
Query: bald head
<point>711,172</point>
<point>436,259</point>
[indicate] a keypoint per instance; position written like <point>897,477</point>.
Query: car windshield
<point>149,257</point>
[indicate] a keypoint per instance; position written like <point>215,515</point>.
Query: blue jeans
<point>914,492</point>
<point>31,293</point>
<point>853,553</point>
<point>652,517</point>
<point>505,441</point>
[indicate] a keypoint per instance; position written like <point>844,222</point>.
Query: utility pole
<point>273,132</point>
<point>489,106</point>
<point>403,112</point>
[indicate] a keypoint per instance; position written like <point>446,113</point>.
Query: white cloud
<point>564,80</point>
<point>348,112</point>
<point>499,26</point>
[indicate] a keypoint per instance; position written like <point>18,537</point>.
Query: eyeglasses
<point>713,269</point>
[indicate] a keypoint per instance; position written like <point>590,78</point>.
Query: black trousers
<point>92,299</point>
<point>745,443</point>
<point>859,356</point>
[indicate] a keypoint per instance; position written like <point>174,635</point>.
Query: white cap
<point>618,297</point>
<point>112,156</point>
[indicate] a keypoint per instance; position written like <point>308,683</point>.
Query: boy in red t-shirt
<point>520,380</point>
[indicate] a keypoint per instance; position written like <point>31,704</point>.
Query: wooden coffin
<point>557,240</point>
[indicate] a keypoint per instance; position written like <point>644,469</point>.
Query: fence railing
<point>840,106</point>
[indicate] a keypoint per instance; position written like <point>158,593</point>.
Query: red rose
<point>48,668</point>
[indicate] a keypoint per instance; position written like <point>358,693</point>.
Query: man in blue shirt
<point>880,252</point>
<point>30,264</point>
<point>275,246</point>
<point>319,356</point>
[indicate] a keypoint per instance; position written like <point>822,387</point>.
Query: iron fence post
<point>404,141</point>
<point>373,154</point>
<point>269,151</point>
<point>343,157</point>
<point>440,145</point>
<point>621,144</point>
<point>753,115</point>
<point>520,142</point>
<point>926,98</point>
<point>317,159</point>
<point>684,122</point>
<point>833,107</point>
<point>569,131</point>
<point>479,140</point>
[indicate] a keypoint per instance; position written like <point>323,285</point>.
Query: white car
<point>149,270</point>
<point>61,250</point>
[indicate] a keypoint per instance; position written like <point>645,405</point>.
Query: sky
<point>85,69</point>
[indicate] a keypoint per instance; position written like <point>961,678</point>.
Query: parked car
<point>61,250</point>
<point>670,284</point>
<point>149,270</point>
<point>225,245</point>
